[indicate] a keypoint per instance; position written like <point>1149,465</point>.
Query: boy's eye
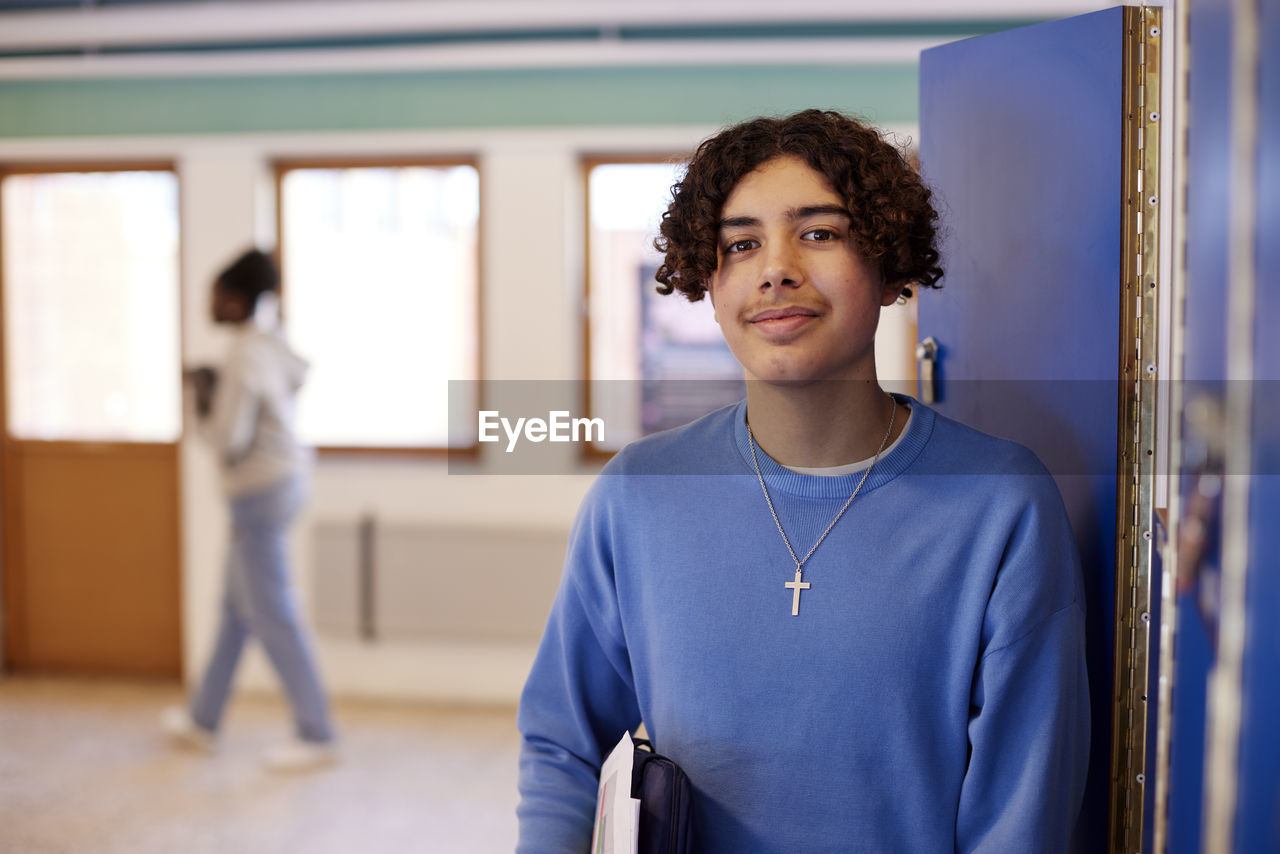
<point>740,246</point>
<point>820,235</point>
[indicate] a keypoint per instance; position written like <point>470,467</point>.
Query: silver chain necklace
<point>797,585</point>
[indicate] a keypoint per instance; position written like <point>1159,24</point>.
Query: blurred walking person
<point>246,410</point>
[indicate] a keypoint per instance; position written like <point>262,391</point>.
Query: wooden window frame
<point>590,450</point>
<point>281,167</point>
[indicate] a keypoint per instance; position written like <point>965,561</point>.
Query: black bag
<point>666,802</point>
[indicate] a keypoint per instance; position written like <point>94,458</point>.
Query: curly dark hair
<point>892,221</point>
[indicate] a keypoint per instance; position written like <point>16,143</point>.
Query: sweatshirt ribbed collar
<point>782,479</point>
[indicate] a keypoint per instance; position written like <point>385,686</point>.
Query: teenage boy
<point>856,624</point>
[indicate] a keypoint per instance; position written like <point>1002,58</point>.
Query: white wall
<point>532,233</point>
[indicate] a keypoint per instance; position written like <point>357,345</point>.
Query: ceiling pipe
<point>240,22</point>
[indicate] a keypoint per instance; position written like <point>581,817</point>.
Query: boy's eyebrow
<point>817,210</point>
<point>793,214</point>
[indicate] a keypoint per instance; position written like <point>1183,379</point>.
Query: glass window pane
<point>91,305</point>
<point>667,352</point>
<point>380,296</point>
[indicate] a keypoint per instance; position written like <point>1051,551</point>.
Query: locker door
<point>1196,610</point>
<point>1241,788</point>
<point>1028,137</point>
<point>1257,820</point>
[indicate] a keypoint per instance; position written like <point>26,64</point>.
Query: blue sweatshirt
<point>930,696</point>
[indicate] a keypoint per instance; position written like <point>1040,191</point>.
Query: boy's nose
<point>781,267</point>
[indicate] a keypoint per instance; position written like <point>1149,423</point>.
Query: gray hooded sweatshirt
<point>251,424</point>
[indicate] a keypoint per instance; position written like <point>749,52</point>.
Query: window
<point>380,294</point>
<point>91,304</point>
<point>654,361</point>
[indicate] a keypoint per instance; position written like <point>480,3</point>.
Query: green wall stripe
<point>430,100</point>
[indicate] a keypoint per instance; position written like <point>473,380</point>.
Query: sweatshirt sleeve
<point>1029,704</point>
<point>230,423</point>
<point>580,694</point>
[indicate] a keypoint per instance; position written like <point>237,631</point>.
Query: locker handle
<point>930,390</point>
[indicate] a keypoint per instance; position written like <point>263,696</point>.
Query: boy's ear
<point>891,293</point>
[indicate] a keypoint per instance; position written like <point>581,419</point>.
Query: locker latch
<point>927,357</point>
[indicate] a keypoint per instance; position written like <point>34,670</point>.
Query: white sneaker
<point>299,755</point>
<point>184,732</point>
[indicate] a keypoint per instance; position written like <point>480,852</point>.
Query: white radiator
<point>397,581</point>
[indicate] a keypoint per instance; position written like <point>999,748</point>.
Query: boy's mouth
<point>783,322</point>
<point>782,314</point>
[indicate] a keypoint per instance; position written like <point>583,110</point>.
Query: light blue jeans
<point>257,600</point>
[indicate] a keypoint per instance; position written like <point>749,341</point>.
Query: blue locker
<point>1204,369</point>
<point>1256,826</point>
<point>1021,140</point>
<point>1224,768</point>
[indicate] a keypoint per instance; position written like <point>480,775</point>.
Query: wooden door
<point>92,415</point>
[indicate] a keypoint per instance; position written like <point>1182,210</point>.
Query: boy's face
<point>794,297</point>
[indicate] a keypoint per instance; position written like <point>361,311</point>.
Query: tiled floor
<point>83,768</point>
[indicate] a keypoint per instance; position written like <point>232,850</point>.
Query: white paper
<point>617,825</point>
